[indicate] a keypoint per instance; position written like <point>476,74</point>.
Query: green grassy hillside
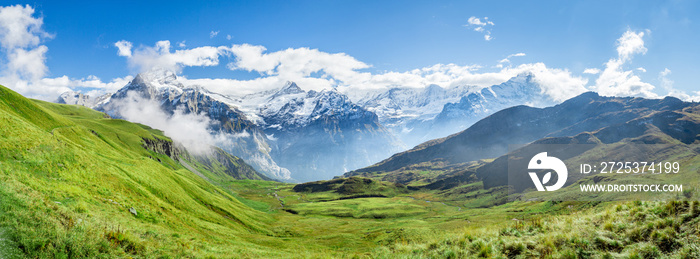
<point>75,183</point>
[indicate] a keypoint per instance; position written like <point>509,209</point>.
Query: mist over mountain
<point>418,115</point>
<point>194,116</point>
<point>286,133</point>
<point>611,118</point>
<point>293,134</point>
<point>318,135</point>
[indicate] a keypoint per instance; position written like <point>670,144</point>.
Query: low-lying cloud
<point>188,129</point>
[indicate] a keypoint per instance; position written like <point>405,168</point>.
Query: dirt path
<point>279,198</point>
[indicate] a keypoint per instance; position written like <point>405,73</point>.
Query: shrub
<point>513,249</point>
<point>648,251</point>
<point>607,244</point>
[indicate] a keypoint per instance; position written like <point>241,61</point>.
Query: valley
<point>78,183</point>
<point>349,129</point>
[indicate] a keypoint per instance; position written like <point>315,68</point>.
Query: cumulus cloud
<point>591,71</point>
<point>19,28</point>
<point>629,44</point>
<point>124,48</point>
<point>213,34</point>
<point>20,37</point>
<point>316,70</point>
<point>28,64</point>
<point>481,26</point>
<point>614,80</point>
<point>24,59</point>
<point>313,69</point>
<point>296,64</point>
<point>146,57</point>
<point>25,68</point>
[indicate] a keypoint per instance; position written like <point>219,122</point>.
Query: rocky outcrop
<point>162,146</point>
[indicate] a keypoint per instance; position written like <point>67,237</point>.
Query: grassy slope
<point>628,230</point>
<point>69,176</point>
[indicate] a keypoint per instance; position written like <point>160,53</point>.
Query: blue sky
<point>386,36</point>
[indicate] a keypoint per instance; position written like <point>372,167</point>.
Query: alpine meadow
<point>393,129</point>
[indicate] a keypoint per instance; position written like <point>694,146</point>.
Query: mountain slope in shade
<point>671,125</point>
<point>491,136</point>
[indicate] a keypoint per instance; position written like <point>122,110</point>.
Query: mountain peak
<point>583,98</point>
<point>433,88</point>
<point>289,88</point>
<point>158,77</point>
<point>524,77</point>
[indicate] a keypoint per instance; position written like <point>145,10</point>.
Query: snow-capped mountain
<point>519,90</point>
<point>418,115</point>
<point>76,98</point>
<point>318,135</point>
<point>292,134</point>
<point>404,111</point>
<point>286,133</point>
<point>246,139</point>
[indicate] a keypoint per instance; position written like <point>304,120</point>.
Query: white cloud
<point>28,64</point>
<point>310,68</point>
<point>507,59</point>
<point>49,89</point>
<point>295,64</point>
<point>313,69</point>
<point>145,58</point>
<point>481,26</point>
<point>124,48</point>
<point>614,80</point>
<point>188,129</point>
<point>19,28</point>
<point>229,37</point>
<point>641,69</point>
<point>629,44</point>
<point>20,36</point>
<point>213,34</point>
<point>476,21</point>
<point>591,71</point>
<point>25,67</point>
<point>667,84</point>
